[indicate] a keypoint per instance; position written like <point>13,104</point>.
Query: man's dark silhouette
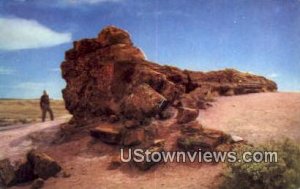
<point>45,106</point>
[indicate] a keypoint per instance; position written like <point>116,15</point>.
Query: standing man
<point>45,106</point>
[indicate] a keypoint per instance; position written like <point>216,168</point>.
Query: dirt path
<point>256,117</point>
<point>16,140</point>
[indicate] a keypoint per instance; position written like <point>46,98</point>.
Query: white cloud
<point>6,71</point>
<point>18,33</point>
<point>273,75</point>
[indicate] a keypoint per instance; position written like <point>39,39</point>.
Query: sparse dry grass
<point>17,111</point>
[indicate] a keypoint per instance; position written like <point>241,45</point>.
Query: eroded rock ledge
<point>108,75</point>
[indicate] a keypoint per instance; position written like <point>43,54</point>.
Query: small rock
<point>37,183</point>
<point>43,165</point>
<point>186,115</point>
<point>63,174</point>
<point>235,138</point>
<point>66,174</point>
<point>159,142</point>
<point>131,124</point>
<point>107,133</point>
<point>230,92</point>
<point>113,119</point>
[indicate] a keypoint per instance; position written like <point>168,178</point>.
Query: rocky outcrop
<point>108,75</point>
<point>232,82</point>
<point>113,88</point>
<point>36,165</point>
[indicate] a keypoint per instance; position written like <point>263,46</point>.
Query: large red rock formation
<point>109,75</point>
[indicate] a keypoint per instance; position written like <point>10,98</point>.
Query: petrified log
<point>43,165</point>
<point>108,75</point>
<point>107,133</point>
<point>36,165</point>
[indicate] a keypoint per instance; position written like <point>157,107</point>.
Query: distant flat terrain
<point>19,111</point>
<point>256,117</point>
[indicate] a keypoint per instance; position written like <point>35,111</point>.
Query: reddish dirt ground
<point>255,117</point>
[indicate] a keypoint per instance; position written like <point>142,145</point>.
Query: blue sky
<point>257,36</point>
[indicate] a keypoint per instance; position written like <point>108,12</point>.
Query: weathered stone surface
<point>7,174</point>
<point>194,143</point>
<point>167,113</point>
<point>186,115</point>
<point>113,119</point>
<point>24,172</point>
<point>133,137</point>
<point>130,124</point>
<point>232,81</point>
<point>143,101</point>
<point>205,139</point>
<point>195,99</point>
<point>43,165</point>
<point>38,183</point>
<point>191,128</point>
<point>107,133</point>
<point>159,142</point>
<point>108,75</point>
<point>112,35</point>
